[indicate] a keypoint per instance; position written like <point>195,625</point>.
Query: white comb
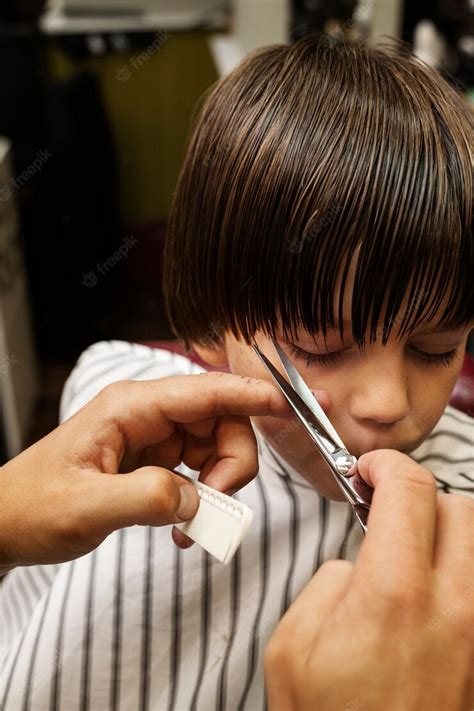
<point>220,522</point>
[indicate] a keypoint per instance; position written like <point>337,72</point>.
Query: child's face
<point>384,397</point>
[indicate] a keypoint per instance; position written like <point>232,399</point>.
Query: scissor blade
<point>301,410</point>
<point>312,425</point>
<point>306,395</point>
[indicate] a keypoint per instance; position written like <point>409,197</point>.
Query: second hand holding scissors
<point>308,411</point>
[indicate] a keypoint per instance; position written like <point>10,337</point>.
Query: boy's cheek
<point>243,360</point>
<point>291,442</point>
<point>281,432</point>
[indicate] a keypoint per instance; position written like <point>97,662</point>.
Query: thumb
<point>149,496</point>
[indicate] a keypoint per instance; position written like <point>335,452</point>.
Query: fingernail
<point>181,539</point>
<point>362,488</point>
<point>187,502</point>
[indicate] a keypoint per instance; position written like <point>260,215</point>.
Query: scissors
<point>308,411</point>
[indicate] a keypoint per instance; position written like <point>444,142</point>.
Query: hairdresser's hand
<point>394,631</point>
<point>61,497</point>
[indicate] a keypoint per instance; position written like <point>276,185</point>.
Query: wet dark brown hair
<point>303,158</point>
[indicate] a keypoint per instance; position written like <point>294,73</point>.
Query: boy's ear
<point>215,354</point>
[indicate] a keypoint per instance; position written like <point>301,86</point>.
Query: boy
<point>325,200</point>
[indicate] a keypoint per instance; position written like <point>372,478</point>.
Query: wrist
<point>7,561</point>
<point>7,516</point>
<point>5,568</point>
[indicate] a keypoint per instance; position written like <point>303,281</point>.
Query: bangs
<point>310,161</point>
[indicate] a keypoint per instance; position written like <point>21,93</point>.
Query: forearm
<point>9,517</point>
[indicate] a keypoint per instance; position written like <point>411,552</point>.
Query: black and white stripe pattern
<point>139,624</point>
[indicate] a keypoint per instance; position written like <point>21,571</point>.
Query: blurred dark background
<point>96,101</point>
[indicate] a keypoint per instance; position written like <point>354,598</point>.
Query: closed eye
<point>335,357</point>
<point>434,358</point>
<point>319,358</point>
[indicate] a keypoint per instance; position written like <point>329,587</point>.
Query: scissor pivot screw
<point>344,462</point>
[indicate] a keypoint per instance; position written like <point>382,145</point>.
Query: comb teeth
<point>220,500</point>
<point>219,524</point>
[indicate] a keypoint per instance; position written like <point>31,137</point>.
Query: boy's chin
<point>327,487</point>
<point>319,476</point>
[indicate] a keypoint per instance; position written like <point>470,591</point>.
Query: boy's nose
<point>382,398</point>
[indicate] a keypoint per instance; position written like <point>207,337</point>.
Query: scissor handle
<point>344,470</point>
<point>362,515</point>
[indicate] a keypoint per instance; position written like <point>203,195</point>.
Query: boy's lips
<point>362,446</point>
<point>360,439</point>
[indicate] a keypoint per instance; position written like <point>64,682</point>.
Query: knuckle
<point>113,393</point>
<point>276,654</point>
<point>248,380</point>
<point>72,528</point>
<point>410,595</point>
<point>456,621</point>
<point>214,386</point>
<point>420,478</point>
<point>66,528</point>
<point>335,566</point>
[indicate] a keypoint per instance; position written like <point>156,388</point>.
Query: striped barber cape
<point>140,624</point>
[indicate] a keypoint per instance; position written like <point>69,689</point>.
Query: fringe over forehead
<point>308,158</point>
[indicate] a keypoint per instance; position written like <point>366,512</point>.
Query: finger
<point>180,539</point>
<point>203,429</point>
<point>294,640</point>
<point>469,691</point>
<point>166,454</point>
<point>197,451</point>
<point>311,609</point>
<point>207,468</point>
<point>402,518</point>
<point>454,544</point>
<point>236,454</point>
<point>145,411</point>
<point>150,496</point>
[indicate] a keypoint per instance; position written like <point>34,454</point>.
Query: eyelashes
<point>336,357</point>
<point>312,358</point>
<point>435,358</point>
